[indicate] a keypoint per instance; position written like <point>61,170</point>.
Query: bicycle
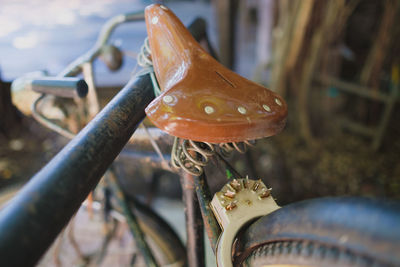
<point>322,232</point>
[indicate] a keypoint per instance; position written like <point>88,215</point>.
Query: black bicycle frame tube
<point>33,219</point>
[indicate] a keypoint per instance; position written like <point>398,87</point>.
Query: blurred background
<point>336,63</point>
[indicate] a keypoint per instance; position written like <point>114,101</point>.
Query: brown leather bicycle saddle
<point>202,100</point>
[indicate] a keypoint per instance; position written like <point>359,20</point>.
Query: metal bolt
<point>242,110</point>
<point>278,102</point>
<point>264,194</point>
<point>229,194</point>
<point>267,108</point>
<point>236,185</point>
<point>256,185</point>
<point>168,99</point>
<point>230,187</point>
<point>246,183</point>
<point>230,206</point>
<point>209,110</point>
<point>154,20</point>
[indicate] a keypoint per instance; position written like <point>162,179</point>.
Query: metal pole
<point>33,219</point>
<point>131,220</point>
<point>194,223</point>
<point>204,196</point>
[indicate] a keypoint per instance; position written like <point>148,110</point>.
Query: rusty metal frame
<point>33,219</point>
<point>204,197</point>
<point>194,223</point>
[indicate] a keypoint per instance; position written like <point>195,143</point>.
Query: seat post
<point>194,222</point>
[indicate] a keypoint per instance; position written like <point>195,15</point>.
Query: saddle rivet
<point>209,109</point>
<point>164,7</point>
<point>168,99</point>
<point>278,102</point>
<point>267,108</point>
<point>242,110</point>
<point>154,20</point>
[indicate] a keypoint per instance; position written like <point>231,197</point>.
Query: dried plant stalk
<point>373,66</point>
<point>336,14</point>
<point>301,21</point>
<point>281,43</point>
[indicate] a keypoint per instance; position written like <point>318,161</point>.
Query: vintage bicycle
<point>211,111</point>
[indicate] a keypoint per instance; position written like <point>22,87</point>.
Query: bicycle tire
<point>345,231</point>
<point>161,232</point>
<point>164,243</point>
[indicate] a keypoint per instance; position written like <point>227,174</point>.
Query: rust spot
<point>230,194</point>
<point>256,186</point>
<point>236,185</point>
<point>231,188</point>
<point>230,206</point>
<point>246,184</point>
<point>265,194</point>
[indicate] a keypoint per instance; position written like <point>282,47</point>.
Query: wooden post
<point>226,14</point>
<point>9,116</point>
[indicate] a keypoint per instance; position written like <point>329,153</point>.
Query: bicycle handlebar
<point>69,87</point>
<point>76,66</point>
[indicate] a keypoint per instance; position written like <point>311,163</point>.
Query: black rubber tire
<point>165,238</point>
<point>307,253</point>
<point>344,231</point>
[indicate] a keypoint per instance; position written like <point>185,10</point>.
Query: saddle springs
<point>193,156</point>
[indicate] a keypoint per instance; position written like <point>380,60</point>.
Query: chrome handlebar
<point>66,85</point>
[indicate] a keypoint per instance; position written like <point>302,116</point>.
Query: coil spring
<point>144,60</point>
<point>241,147</point>
<point>191,156</point>
<point>144,57</point>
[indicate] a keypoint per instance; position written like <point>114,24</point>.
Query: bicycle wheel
<point>167,245</point>
<point>84,243</point>
<point>324,232</point>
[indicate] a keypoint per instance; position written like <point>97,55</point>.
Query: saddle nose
<point>202,100</point>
